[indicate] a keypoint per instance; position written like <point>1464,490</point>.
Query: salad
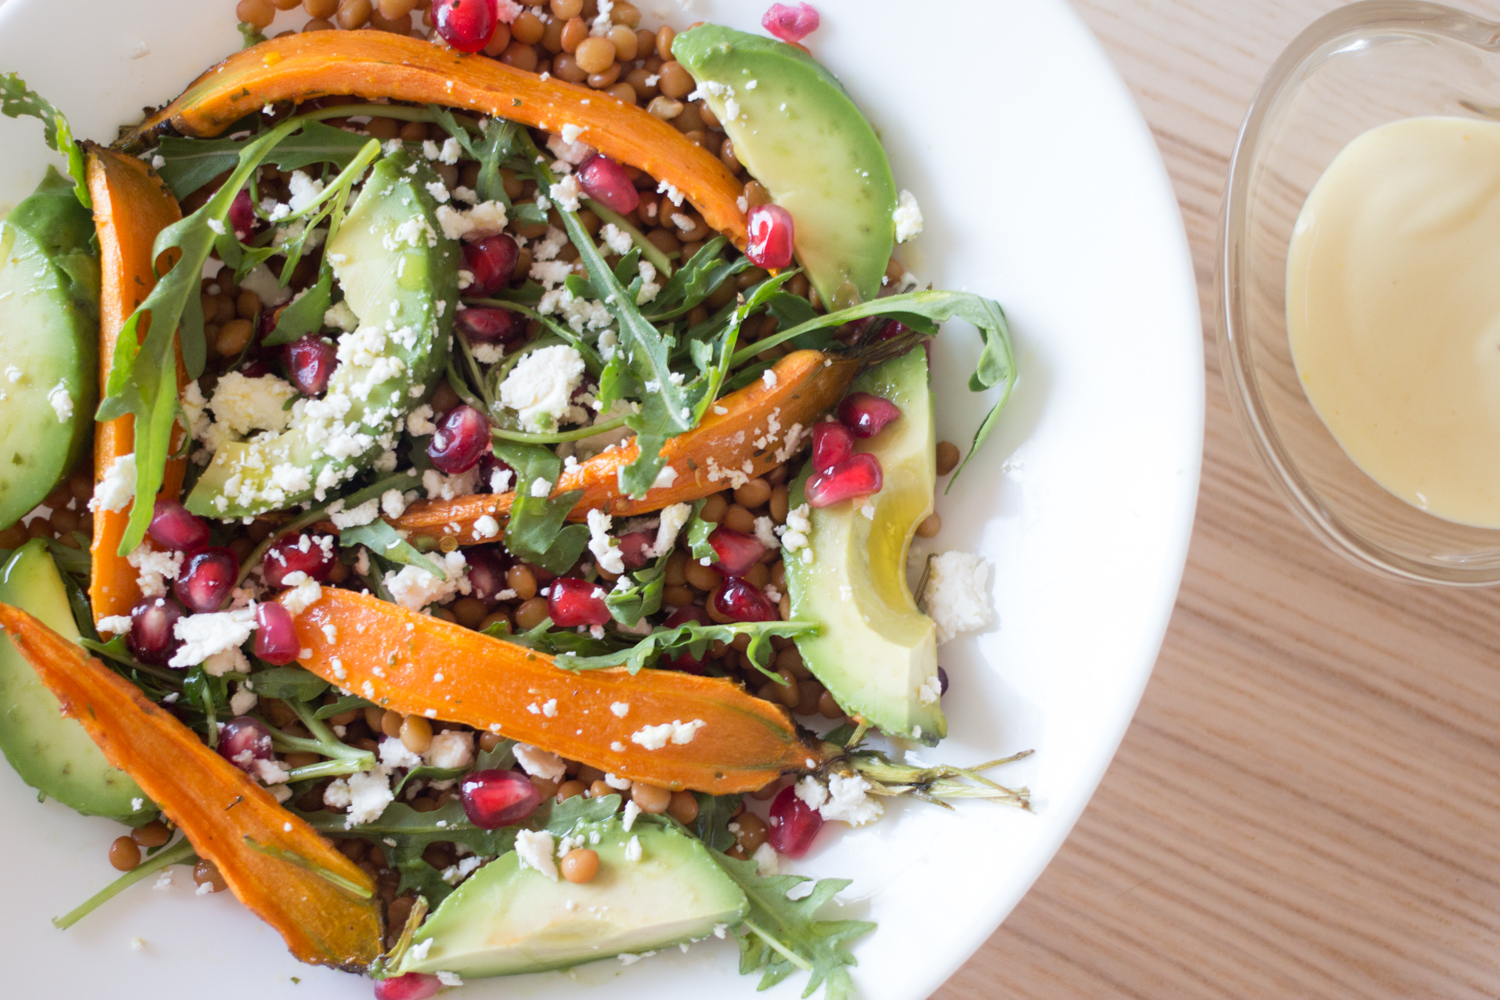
<point>535,423</point>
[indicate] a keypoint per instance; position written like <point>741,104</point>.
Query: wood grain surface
<point>1306,804</point>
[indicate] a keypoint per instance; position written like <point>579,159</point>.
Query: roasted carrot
<point>131,205</point>
<point>419,665</point>
<point>218,807</point>
<point>377,64</point>
<point>762,425</point>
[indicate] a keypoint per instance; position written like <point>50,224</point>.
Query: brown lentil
<point>622,92</point>
<point>520,55</point>
<point>599,789</point>
<point>715,508</point>
<point>627,14</point>
<point>651,799</point>
<point>527,28</point>
<point>81,486</point>
<point>520,579</point>
<point>547,787</point>
<point>676,81</point>
<point>676,596</point>
<point>702,577</point>
<point>531,613</point>
<point>353,14</point>
<point>665,36</point>
<point>489,741</point>
<point>124,854</point>
<point>828,708</point>
<point>606,79</point>
<point>495,618</point>
<point>205,872</point>
<point>737,518</point>
<point>595,54</point>
<point>683,807</point>
<point>930,526</point>
<point>751,833</point>
<point>947,457</point>
<point>416,734</point>
<point>13,537</point>
<point>257,12</point>
<point>580,865</point>
<point>39,528</point>
<point>153,834</point>
<point>664,107</point>
<point>390,723</point>
<point>757,195</point>
<point>569,789</point>
<point>566,10</point>
<point>565,67</point>
<point>624,41</point>
<point>286,4</point>
<point>497,44</point>
<point>780,503</point>
<point>324,9</point>
<point>470,612</point>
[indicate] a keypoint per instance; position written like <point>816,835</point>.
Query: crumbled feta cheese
<point>540,387</point>
<point>794,532</point>
<point>451,750</point>
<point>441,487</point>
<point>765,533</point>
<point>847,801</point>
<point>62,402</point>
<point>393,503</point>
<point>540,763</point>
<point>369,792</point>
<point>206,634</point>
<point>605,547</point>
<point>957,596</point>
<point>242,701</point>
<point>631,812</point>
<point>676,731</point>
<point>341,317</point>
<point>617,239</point>
<point>908,216</point>
<point>673,195</point>
<point>117,488</point>
<point>487,218</point>
<point>930,690</point>
<point>534,850</point>
<point>415,588</point>
<point>633,849</point>
<point>304,594</point>
<point>114,625</point>
<point>620,708</point>
<point>767,861</point>
<point>358,517</point>
<point>540,487</point>
<point>419,421</point>
<point>449,978</point>
<point>811,791</point>
<point>566,193</point>
<point>266,286</point>
<point>244,404</point>
<point>570,151</point>
<point>672,520</point>
<point>487,527</point>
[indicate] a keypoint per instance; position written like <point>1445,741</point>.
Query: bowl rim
<point>1416,18</point>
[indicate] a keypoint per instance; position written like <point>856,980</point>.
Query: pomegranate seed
<point>493,799</point>
<point>832,443</point>
<point>891,330</point>
<point>298,554</point>
<point>174,528</point>
<point>460,441</point>
<point>854,477</point>
<point>685,661</point>
<point>243,741</point>
<point>737,551</point>
<point>942,681</point>
<point>467,25</point>
<point>412,986</point>
<point>790,24</point>
<point>606,182</point>
<point>310,362</point>
<point>486,573</point>
<point>634,548</point>
<point>576,602</point>
<point>242,214</point>
<point>770,236</point>
<point>255,368</point>
<point>275,635</point>
<point>792,824</point>
<point>738,601</point>
<point>153,638</point>
<point>492,262</point>
<point>482,325</point>
<point>206,579</point>
<point>867,415</point>
<point>495,475</point>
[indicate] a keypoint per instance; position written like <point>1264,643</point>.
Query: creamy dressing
<point>1393,311</point>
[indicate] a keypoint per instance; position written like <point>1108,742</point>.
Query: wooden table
<point>1306,804</point>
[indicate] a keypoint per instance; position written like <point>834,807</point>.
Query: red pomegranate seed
<point>482,325</point>
<point>242,214</point>
<point>792,824</point>
<point>573,602</point>
<point>790,24</point>
<point>275,635</point>
<point>467,25</point>
<point>738,601</point>
<point>867,415</point>
<point>308,554</point>
<point>859,476</point>
<point>493,799</point>
<point>492,262</point>
<point>942,681</point>
<point>832,443</point>
<point>256,368</point>
<point>310,362</point>
<point>412,986</point>
<point>461,439</point>
<point>685,661</point>
<point>737,552</point>
<point>771,235</point>
<point>891,330</point>
<point>486,573</point>
<point>606,182</point>
<point>244,740</point>
<point>152,636</point>
<point>174,528</point>
<point>206,579</point>
<point>634,548</point>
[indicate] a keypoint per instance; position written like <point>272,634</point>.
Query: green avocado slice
<point>49,343</point>
<point>797,131</point>
<point>51,753</point>
<point>508,919</point>
<point>876,652</point>
<point>399,274</point>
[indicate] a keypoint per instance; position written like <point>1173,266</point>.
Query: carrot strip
<point>377,64</point>
<point>131,206</point>
<point>424,666</point>
<point>216,804</point>
<point>762,426</point>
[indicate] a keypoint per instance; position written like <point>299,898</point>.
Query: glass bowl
<point>1360,66</point>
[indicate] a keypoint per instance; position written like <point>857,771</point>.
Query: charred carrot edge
<point>419,665</point>
<point>762,425</point>
<point>214,803</point>
<point>131,206</point>
<point>377,64</point>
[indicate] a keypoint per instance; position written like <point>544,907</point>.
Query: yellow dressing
<point>1393,311</point>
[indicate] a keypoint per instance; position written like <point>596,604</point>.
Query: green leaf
<point>714,815</point>
<point>347,703</point>
<point>698,531</point>
<point>496,144</point>
<point>207,692</point>
<point>383,540</point>
<point>191,163</point>
<point>536,531</point>
<point>288,684</point>
<point>427,773</point>
<point>16,99</point>
<point>780,935</point>
<point>543,638</point>
<point>567,814</point>
<point>696,280</point>
<point>641,594</point>
<point>693,638</point>
<point>305,313</point>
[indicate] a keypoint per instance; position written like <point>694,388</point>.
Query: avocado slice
<point>875,653</point>
<point>399,274</point>
<point>507,920</point>
<point>801,136</point>
<point>49,343</point>
<point>51,753</point>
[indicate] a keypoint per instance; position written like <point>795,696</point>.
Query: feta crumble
<point>908,216</point>
<point>117,488</point>
<point>847,801</point>
<point>676,731</point>
<point>534,850</point>
<point>540,763</point>
<point>956,596</point>
<point>540,387</point>
<point>605,547</point>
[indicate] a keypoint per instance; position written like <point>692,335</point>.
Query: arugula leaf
<point>191,163</point>
<point>780,935</point>
<point>496,144</point>
<point>649,250</point>
<point>383,540</point>
<point>567,814</point>
<point>543,638</point>
<point>207,692</point>
<point>347,703</point>
<point>304,314</point>
<point>16,99</point>
<point>641,595</point>
<point>696,280</point>
<point>997,365</point>
<point>288,684</point>
<point>714,815</point>
<point>693,638</point>
<point>697,535</point>
<point>536,531</point>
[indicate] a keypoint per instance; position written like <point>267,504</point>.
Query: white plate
<point>1041,188</point>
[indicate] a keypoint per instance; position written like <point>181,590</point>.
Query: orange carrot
<point>131,205</point>
<point>753,435</point>
<point>378,64</point>
<point>419,665</point>
<point>215,804</point>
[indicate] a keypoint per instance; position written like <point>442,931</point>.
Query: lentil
<point>580,865</point>
<point>205,872</point>
<point>947,457</point>
<point>651,799</point>
<point>153,834</point>
<point>124,854</point>
<point>416,734</point>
